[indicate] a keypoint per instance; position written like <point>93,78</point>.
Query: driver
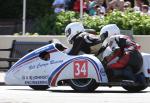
<point>81,40</point>
<point>125,59</point>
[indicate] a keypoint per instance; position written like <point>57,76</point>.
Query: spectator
<point>100,12</point>
<point>137,5</point>
<point>59,6</point>
<point>101,7</point>
<point>145,10</point>
<point>131,1</point>
<point>92,8</point>
<point>69,4</point>
<point>116,4</point>
<point>76,6</point>
<point>96,7</point>
<point>127,5</point>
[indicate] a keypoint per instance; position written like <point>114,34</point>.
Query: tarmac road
<point>64,94</point>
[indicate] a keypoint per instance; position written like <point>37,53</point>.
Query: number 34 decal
<point>80,69</point>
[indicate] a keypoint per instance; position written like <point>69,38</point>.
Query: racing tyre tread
<point>135,88</point>
<point>86,87</point>
<point>39,87</point>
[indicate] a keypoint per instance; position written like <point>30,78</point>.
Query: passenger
<point>125,59</point>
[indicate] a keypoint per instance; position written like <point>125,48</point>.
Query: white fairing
<point>146,64</point>
<point>31,70</point>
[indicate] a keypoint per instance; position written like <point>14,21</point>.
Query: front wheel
<point>83,85</point>
<point>39,87</point>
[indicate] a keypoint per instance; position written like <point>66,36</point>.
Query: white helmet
<point>108,31</point>
<point>72,30</point>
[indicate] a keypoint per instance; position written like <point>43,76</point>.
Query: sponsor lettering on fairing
<point>36,82</point>
<point>54,61</point>
<point>35,77</point>
<point>38,66</point>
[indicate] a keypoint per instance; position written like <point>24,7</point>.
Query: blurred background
<point>49,17</point>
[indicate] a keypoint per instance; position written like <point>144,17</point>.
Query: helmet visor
<point>103,36</point>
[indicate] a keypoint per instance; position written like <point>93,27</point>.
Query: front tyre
<point>39,87</point>
<point>83,85</point>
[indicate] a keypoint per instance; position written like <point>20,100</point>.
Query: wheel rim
<point>81,82</point>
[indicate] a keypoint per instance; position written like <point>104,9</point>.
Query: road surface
<point>64,94</point>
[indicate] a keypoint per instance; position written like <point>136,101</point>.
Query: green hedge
<point>56,23</point>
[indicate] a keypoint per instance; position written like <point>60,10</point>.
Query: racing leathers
<point>125,55</point>
<point>85,42</point>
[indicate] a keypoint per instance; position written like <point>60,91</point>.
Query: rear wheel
<point>39,87</point>
<point>83,85</point>
<point>137,88</point>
